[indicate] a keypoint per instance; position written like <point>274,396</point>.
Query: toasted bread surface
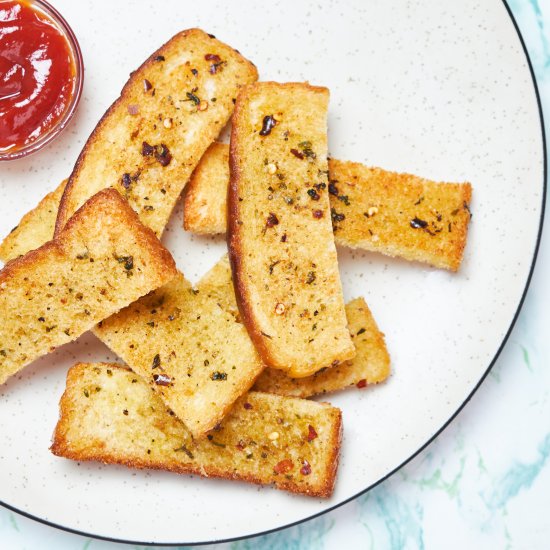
<point>103,260</point>
<point>400,214</point>
<point>189,350</point>
<point>281,245</point>
<point>150,140</point>
<point>370,365</point>
<point>109,414</point>
<point>217,284</point>
<point>205,199</point>
<point>35,228</point>
<point>372,209</point>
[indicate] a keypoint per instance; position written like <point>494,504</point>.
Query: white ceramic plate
<point>437,88</point>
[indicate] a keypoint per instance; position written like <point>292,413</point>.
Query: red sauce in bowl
<point>38,75</point>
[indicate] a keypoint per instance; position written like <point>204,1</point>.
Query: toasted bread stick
<point>103,260</point>
<point>400,214</point>
<point>109,414</point>
<point>152,137</point>
<point>281,245</point>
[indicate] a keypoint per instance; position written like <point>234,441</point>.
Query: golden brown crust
<point>284,355</point>
<point>250,74</point>
<point>62,449</point>
<point>334,460</point>
<point>109,199</point>
<point>233,234</point>
<point>204,206</point>
<point>400,214</point>
<point>53,294</point>
<point>64,213</point>
<point>78,438</point>
<point>371,364</point>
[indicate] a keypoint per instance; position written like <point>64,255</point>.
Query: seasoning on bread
<point>109,414</point>
<point>103,260</point>
<point>370,365</point>
<point>281,245</point>
<point>150,140</point>
<point>35,228</point>
<point>189,350</point>
<point>372,209</point>
<point>400,214</point>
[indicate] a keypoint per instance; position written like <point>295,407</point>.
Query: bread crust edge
<point>61,448</point>
<point>63,213</point>
<point>234,238</point>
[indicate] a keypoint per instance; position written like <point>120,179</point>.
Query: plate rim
<point>443,426</point>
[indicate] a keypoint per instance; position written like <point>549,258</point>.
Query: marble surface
<point>483,483</point>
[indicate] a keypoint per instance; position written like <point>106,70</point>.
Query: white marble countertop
<point>483,483</point>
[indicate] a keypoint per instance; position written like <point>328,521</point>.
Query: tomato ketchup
<point>38,77</point>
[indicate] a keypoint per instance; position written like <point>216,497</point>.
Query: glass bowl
<point>50,12</point>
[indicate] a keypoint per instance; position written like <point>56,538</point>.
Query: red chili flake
<point>247,406</point>
<point>317,214</point>
<point>272,220</point>
<point>240,445</point>
<point>133,109</point>
<point>146,85</point>
<point>283,238</point>
<point>284,466</point>
<point>146,149</point>
<point>311,433</point>
<point>212,57</point>
<point>162,379</point>
<point>362,383</point>
<point>297,154</point>
<point>162,154</point>
<point>305,470</point>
